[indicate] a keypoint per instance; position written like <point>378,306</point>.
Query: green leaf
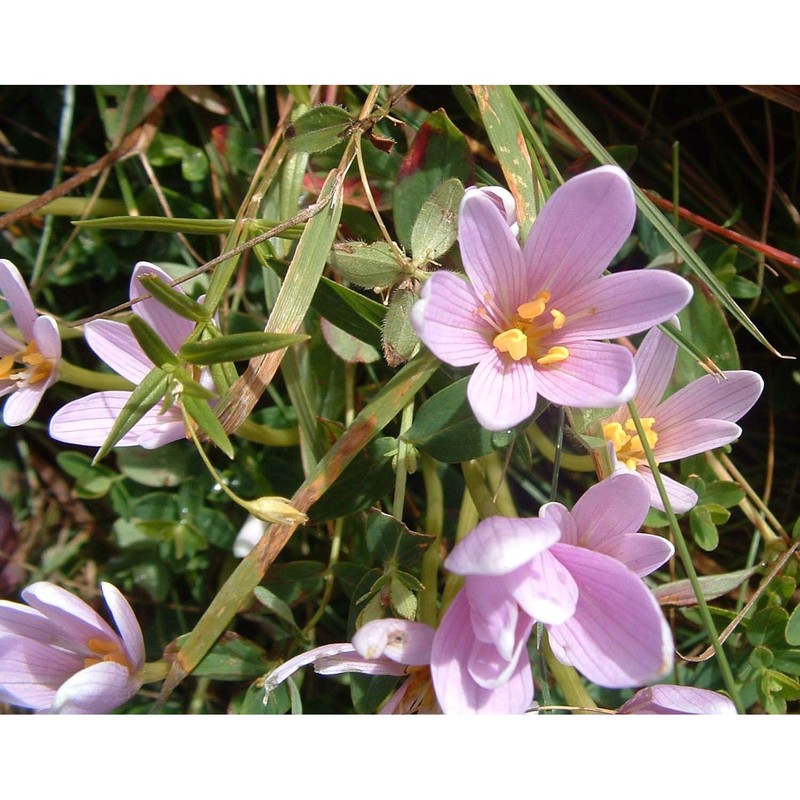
<point>237,346</point>
<point>767,626</point>
<point>347,347</point>
<point>446,429</point>
<point>208,422</point>
<point>152,344</point>
<point>388,539</point>
<point>439,151</point>
<point>499,111</point>
<point>373,266</point>
<point>233,658</point>
<point>400,340</point>
<point>176,301</point>
<point>92,480</point>
<point>793,628</point>
<point>403,600</point>
<point>203,227</point>
<point>703,528</point>
<point>681,593</point>
<point>149,392</point>
<point>319,129</point>
<point>366,479</point>
<point>273,603</point>
<point>723,493</point>
<point>166,149</point>
<point>436,227</point>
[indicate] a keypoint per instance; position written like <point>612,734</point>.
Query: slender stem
<point>467,520</point>
<point>570,461</point>
<point>478,491</point>
<point>434,521</point>
<point>264,434</point>
<point>569,681</point>
<point>89,379</point>
<point>401,471</point>
<point>495,471</point>
<point>688,565</point>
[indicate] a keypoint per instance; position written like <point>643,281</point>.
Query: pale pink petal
<point>617,305</point>
<point>127,624</point>
<point>681,497</point>
<point>16,293</point>
<point>76,621</point>
<point>30,672</point>
<point>580,230</point>
<point>676,441</point>
<point>488,668</point>
<point>9,345</point>
<point>563,518</point>
<point>545,589</point>
<point>88,421</point>
<point>618,636</point>
<point>504,201</point>
<point>171,327</point>
<point>21,620</point>
<point>446,320</point>
<point>456,690</point>
<point>594,375</point>
<point>491,255</point>
<point>96,690</point>
<point>502,392</point>
<point>115,343</point>
<point>22,404</point>
<point>498,545</point>
<point>48,340</point>
<point>665,699</point>
<point>641,553</point>
<point>400,640</point>
<point>494,613</point>
<point>654,362</point>
<point>612,507</point>
<point>711,397</point>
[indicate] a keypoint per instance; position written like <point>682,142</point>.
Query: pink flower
<point>698,417</point>
<point>381,647</point>
<point>531,318</point>
<point>89,420</point>
<point>578,572</point>
<point>27,368</point>
<point>665,699</point>
<point>58,655</point>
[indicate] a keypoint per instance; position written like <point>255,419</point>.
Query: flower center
<point>105,651</point>
<point>627,444</point>
<point>32,367</point>
<point>533,322</point>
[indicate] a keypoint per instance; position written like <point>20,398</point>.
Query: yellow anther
<point>6,365</point>
<point>554,355</point>
<point>628,446</point>
<point>514,342</point>
<point>558,319</point>
<point>534,308</point>
<point>106,651</point>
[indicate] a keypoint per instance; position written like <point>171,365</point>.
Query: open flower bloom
<point>531,318</point>
<point>578,572</point>
<point>381,647</point>
<point>58,655</point>
<point>29,367</point>
<point>699,417</point>
<point>666,699</point>
<point>89,420</point>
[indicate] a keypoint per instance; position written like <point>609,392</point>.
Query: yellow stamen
<point>514,342</point>
<point>558,319</point>
<point>534,308</point>
<point>6,363</point>
<point>628,446</point>
<point>554,355</point>
<point>106,651</point>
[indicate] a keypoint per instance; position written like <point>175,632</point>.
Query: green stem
<point>434,521</point>
<point>478,491</point>
<point>263,434</point>
<point>89,379</point>
<point>570,461</point>
<point>495,471</point>
<point>467,520</point>
<point>688,565</point>
<point>401,471</point>
<point>568,681</point>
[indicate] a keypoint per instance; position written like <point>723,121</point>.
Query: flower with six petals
<point>531,319</point>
